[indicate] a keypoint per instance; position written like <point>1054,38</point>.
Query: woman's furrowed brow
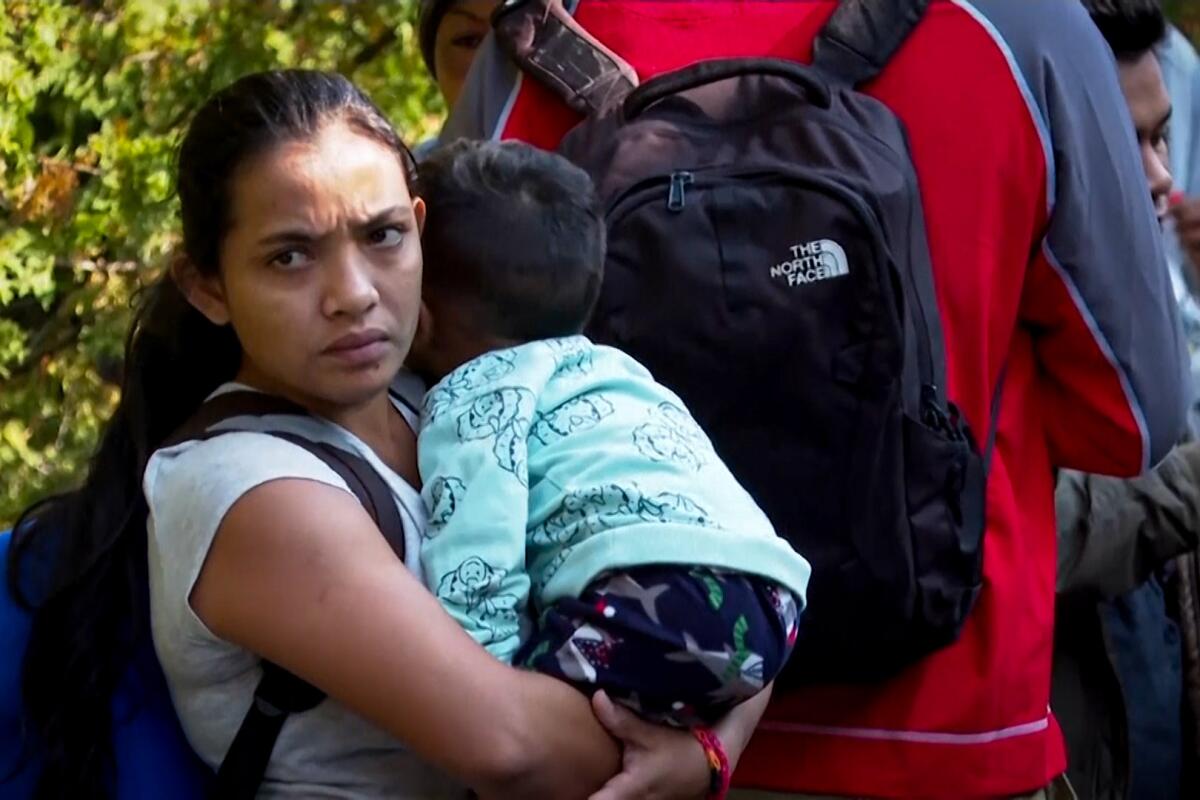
<point>289,236</point>
<point>397,213</point>
<point>301,235</point>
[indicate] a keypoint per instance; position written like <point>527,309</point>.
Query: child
<point>561,480</point>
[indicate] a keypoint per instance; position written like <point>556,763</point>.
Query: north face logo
<point>815,261</point>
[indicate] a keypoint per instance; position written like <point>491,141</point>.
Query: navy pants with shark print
<point>679,645</point>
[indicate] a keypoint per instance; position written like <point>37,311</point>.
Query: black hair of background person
<point>1131,27</point>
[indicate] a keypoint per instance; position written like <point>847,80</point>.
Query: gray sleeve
<point>1113,533</point>
<point>1098,297</point>
<point>487,97</point>
<point>489,93</point>
<point>1181,71</point>
<point>1192,176</point>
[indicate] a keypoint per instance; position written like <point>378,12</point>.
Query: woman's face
<point>459,34</point>
<point>321,269</point>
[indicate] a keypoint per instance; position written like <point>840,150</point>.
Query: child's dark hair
<point>78,560</point>
<point>1131,27</point>
<point>515,231</point>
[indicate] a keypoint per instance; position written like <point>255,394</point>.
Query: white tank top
<point>328,752</point>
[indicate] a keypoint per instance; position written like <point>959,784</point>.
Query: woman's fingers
<point>619,721</point>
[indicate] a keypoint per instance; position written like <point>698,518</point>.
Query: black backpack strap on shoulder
<point>412,407</point>
<point>363,481</point>
<point>278,694</point>
<point>227,405</point>
<point>863,35</point>
<point>361,478</point>
<point>546,42</point>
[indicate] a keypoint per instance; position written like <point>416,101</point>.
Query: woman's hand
<point>661,763</point>
<point>657,762</point>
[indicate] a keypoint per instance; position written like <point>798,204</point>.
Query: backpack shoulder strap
<point>363,481</point>
<point>414,410</point>
<point>863,35</point>
<point>546,42</point>
<point>361,478</point>
<point>279,692</point>
<point>227,405</point>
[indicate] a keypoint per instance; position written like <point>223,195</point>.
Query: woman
<point>450,32</point>
<point>301,278</point>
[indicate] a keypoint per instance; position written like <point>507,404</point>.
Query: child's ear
<point>204,292</point>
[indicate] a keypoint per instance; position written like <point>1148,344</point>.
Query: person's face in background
<point>1146,93</point>
<point>459,34</point>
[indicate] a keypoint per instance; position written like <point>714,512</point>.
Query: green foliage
<point>1186,15</point>
<point>94,96</point>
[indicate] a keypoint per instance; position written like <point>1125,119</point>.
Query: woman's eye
<point>291,259</point>
<point>469,41</point>
<point>386,237</point>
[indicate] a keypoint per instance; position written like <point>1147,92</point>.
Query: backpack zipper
<point>680,180</point>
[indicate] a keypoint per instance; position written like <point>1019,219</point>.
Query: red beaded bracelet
<point>718,763</point>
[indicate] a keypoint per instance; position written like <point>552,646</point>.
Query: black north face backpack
<point>767,260</point>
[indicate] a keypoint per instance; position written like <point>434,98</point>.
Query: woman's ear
<point>204,292</point>
<point>419,213</point>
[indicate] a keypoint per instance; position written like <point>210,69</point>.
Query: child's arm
<point>472,453</point>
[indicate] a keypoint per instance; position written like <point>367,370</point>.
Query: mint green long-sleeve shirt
<point>547,464</point>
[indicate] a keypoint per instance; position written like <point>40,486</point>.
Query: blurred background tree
<point>1185,14</point>
<point>93,99</point>
<point>94,95</point>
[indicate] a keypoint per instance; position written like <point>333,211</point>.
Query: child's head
<point>514,251</point>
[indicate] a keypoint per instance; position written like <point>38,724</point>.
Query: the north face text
<point>815,261</point>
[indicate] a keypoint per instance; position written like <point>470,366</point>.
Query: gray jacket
<point>1113,534</point>
<point>1127,653</point>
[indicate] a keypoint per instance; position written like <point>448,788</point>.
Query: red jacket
<point>1047,259</point>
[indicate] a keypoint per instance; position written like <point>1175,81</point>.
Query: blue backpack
<point>154,759</point>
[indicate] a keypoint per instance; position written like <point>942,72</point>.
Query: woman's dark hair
<point>1131,27</point>
<point>78,560</point>
<point>428,21</point>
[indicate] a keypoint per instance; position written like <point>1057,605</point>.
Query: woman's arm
<point>299,574</point>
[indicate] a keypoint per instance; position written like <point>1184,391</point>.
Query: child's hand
<point>658,763</point>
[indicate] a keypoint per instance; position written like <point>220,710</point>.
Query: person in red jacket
<point>1049,268</point>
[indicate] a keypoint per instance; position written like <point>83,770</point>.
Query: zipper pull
<point>679,183</point>
<point>931,412</point>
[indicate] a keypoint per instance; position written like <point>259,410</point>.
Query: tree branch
<point>372,50</point>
